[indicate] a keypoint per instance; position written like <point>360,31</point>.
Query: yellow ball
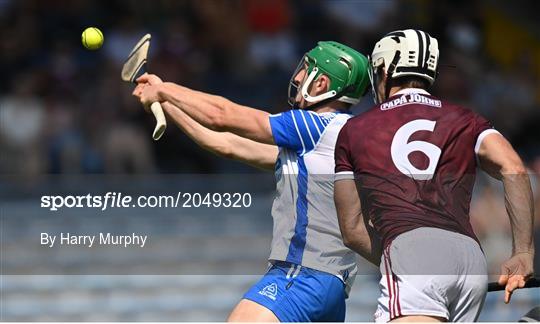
<point>92,38</point>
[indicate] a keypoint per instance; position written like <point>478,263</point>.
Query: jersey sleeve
<point>298,130</point>
<point>342,155</point>
<point>481,128</point>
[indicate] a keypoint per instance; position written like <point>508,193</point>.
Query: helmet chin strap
<point>387,87</point>
<point>307,83</point>
<point>322,99</point>
<point>329,99</point>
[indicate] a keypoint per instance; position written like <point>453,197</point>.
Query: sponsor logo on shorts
<point>269,291</point>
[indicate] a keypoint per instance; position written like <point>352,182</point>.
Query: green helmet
<point>346,68</point>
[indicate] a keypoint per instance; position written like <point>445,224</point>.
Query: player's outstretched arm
<point>224,144</point>
<point>214,112</point>
<point>500,160</point>
<point>357,234</point>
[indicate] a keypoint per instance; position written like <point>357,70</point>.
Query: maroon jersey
<point>414,160</point>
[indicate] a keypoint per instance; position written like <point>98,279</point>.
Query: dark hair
<point>410,81</point>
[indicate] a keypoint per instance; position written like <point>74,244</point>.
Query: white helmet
<point>408,52</point>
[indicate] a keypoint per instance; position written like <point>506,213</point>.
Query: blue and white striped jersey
<point>306,230</point>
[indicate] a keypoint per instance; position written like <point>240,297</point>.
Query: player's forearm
<point>206,109</point>
<point>364,243</point>
<point>500,160</point>
<point>224,144</point>
<point>218,113</point>
<point>519,203</point>
<point>357,234</point>
<point>209,140</point>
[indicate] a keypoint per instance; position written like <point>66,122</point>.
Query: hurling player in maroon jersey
<point>405,172</point>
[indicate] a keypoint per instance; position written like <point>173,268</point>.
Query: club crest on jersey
<point>269,291</point>
<point>409,99</point>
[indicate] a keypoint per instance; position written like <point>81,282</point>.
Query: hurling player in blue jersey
<point>310,269</point>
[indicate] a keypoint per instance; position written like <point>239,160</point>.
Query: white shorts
<point>429,271</point>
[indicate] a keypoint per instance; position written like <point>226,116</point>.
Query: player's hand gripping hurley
<point>134,67</point>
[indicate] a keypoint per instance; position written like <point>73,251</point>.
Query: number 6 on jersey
<point>401,148</point>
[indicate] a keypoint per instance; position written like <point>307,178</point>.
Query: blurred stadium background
<point>65,114</point>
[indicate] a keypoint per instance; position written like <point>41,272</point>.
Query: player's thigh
<point>250,311</point>
<point>469,302</point>
<point>419,318</point>
<point>471,289</point>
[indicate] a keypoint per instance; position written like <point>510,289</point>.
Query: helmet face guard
<point>376,72</point>
<point>373,80</point>
<point>292,91</point>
